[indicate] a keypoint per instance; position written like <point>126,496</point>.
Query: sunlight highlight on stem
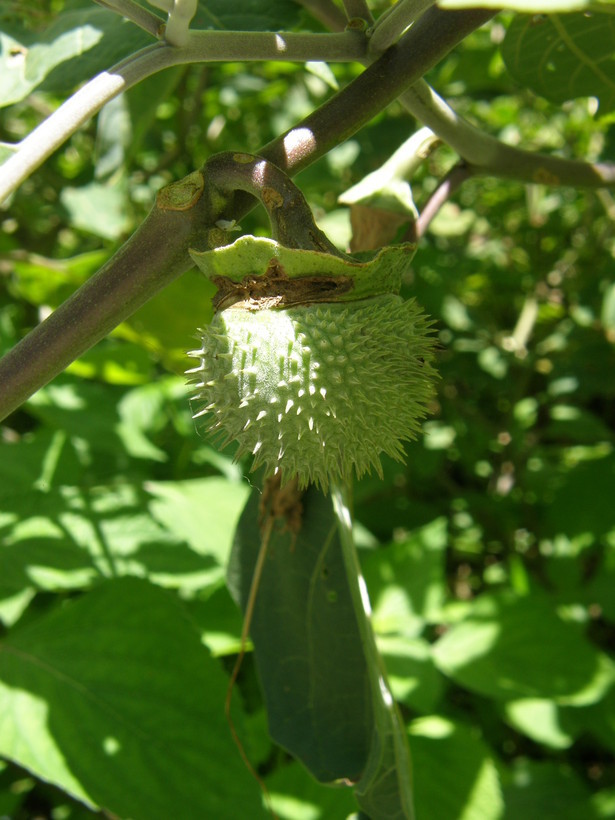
<point>390,748</point>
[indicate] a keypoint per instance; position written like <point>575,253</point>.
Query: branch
<point>202,46</point>
<point>138,15</point>
<point>486,155</point>
<point>159,251</point>
<point>482,153</point>
<point>180,13</point>
<point>447,187</point>
<point>394,22</point>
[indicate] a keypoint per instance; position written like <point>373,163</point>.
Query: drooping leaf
<point>308,649</point>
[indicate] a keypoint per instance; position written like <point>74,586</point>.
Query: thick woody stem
<point>292,221</point>
<point>159,251</point>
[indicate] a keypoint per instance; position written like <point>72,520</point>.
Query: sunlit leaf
<point>71,713</point>
<point>518,647</point>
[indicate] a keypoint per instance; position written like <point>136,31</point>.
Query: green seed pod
<point>317,391</point>
<point>311,363</point>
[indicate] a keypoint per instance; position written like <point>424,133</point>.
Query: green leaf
<point>411,672</point>
<point>406,580</point>
<point>51,281</point>
<point>582,504</point>
<point>204,512</point>
<point>297,796</point>
<point>114,698</point>
<point>540,720</point>
<point>546,789</point>
<point>385,789</point>
<point>177,533</point>
<point>168,323</point>
<point>81,42</point>
<point>454,774</point>
<point>510,646</point>
<point>101,415</point>
<point>562,57</point>
<point>115,362</point>
<point>98,209</point>
<point>308,649</point>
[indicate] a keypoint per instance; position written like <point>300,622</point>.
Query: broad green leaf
<point>582,504</point>
<point>541,720</point>
<point>406,580</point>
<point>454,773</point>
<point>86,40</point>
<point>546,789</point>
<point>562,57</point>
<point>308,649</point>
<point>297,796</point>
<point>326,697</point>
<point>178,534</point>
<point>114,699</point>
<point>100,209</point>
<point>50,281</point>
<point>99,415</point>
<point>510,646</point>
<point>204,512</point>
<point>384,791</point>
<point>116,363</point>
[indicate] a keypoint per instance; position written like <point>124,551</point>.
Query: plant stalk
<point>145,264</point>
<point>202,46</point>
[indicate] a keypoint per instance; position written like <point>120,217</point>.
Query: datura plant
<point>313,362</point>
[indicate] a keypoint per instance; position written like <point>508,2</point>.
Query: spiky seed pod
<point>320,391</point>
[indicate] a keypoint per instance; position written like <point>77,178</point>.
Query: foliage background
<point>490,557</point>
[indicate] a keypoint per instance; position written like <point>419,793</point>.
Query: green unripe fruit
<point>317,391</point>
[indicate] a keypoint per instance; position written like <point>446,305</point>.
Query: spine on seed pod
<point>312,363</point>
